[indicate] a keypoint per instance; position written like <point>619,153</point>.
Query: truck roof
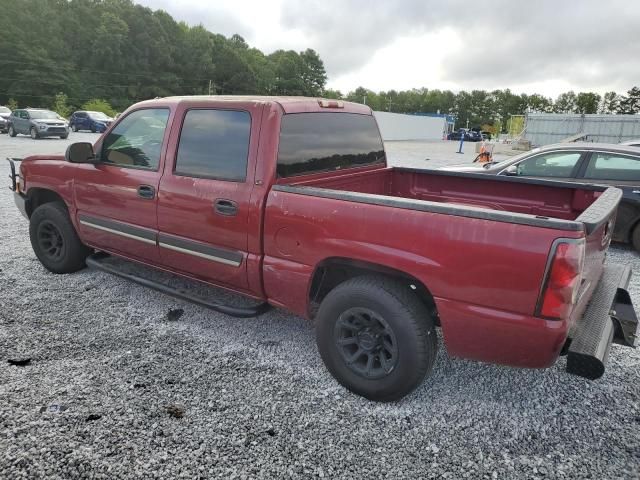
<point>288,104</point>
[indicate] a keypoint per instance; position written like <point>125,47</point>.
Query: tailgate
<point>598,220</point>
<point>604,312</point>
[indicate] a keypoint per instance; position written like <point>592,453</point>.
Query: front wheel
<point>55,241</point>
<point>74,128</point>
<point>64,137</point>
<point>376,337</point>
<point>34,133</point>
<point>12,131</point>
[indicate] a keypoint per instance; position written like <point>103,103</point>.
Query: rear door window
<point>325,141</point>
<point>214,144</point>
<point>554,164</point>
<point>613,166</point>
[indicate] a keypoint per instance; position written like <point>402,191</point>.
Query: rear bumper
<point>609,318</point>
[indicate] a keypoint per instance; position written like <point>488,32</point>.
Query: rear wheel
<point>12,131</point>
<point>55,241</point>
<point>74,128</point>
<point>34,133</point>
<point>376,337</point>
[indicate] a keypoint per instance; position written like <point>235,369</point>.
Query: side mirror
<point>511,170</point>
<point>81,152</point>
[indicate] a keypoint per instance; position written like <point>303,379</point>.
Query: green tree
<point>587,102</point>
<point>539,103</point>
<point>630,104</point>
<point>335,94</point>
<point>313,73</point>
<point>565,103</point>
<point>60,105</point>
<point>610,103</point>
<point>99,105</point>
<point>12,104</point>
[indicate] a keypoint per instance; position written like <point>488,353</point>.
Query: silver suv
<point>38,123</point>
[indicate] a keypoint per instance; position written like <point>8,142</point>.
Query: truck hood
<point>34,158</point>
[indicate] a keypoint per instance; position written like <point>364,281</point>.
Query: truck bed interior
<point>534,197</point>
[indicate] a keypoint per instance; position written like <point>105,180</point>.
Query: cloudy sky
<point>543,46</point>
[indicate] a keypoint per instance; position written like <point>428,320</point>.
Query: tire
<point>74,128</point>
<point>376,316</point>
<point>12,131</point>
<point>55,241</point>
<point>34,133</point>
<point>635,238</point>
<point>64,137</point>
<point>93,129</point>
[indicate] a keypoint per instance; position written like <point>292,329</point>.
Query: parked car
<point>290,201</point>
<point>486,135</point>
<point>469,135</point>
<point>4,119</point>
<point>598,163</point>
<point>38,123</point>
<point>93,121</point>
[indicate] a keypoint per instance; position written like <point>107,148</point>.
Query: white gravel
<point>106,363</point>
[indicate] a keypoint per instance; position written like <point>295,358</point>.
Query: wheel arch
<point>331,272</point>
<point>37,196</point>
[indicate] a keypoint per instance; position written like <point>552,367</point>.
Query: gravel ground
<point>119,388</point>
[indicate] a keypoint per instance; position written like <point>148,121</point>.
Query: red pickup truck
<point>290,201</point>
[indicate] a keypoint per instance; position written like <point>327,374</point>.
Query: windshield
<point>509,160</point>
<point>98,116</point>
<point>43,114</point>
<point>4,110</point>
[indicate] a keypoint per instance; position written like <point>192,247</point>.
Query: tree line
<point>480,107</point>
<point>120,52</point>
<point>108,54</point>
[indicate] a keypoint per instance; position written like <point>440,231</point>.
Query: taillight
<point>562,283</point>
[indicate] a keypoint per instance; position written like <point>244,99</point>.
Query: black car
<point>4,119</point>
<point>596,163</point>
<point>469,135</point>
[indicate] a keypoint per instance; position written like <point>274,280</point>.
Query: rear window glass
<point>317,142</point>
<point>214,144</point>
<point>611,166</point>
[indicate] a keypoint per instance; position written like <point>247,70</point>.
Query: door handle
<point>146,191</point>
<point>225,207</point>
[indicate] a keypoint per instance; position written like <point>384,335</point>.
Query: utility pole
<point>209,87</point>
<point>390,102</point>
<point>364,99</point>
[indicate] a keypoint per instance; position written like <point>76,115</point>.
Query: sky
<point>529,46</point>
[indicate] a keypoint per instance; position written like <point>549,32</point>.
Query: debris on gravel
<point>174,314</point>
<point>175,411</point>
<point>106,364</point>
<point>19,362</point>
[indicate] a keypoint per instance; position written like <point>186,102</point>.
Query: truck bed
<point>480,244</point>
<point>516,200</point>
